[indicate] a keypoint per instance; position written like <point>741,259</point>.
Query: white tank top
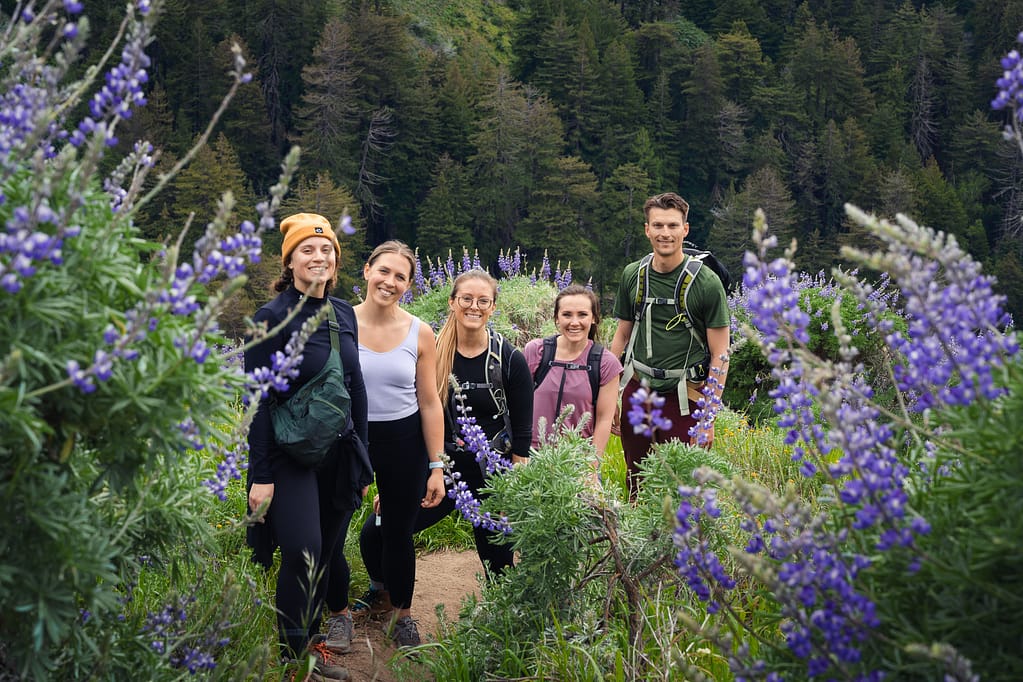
<point>391,378</point>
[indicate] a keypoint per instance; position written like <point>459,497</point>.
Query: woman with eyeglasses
<point>496,384</point>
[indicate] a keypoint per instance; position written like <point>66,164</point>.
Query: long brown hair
<point>447,337</point>
<point>580,290</point>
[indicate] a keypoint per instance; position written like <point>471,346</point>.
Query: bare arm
<point>606,407</point>
<point>621,337</point>
<point>431,413</point>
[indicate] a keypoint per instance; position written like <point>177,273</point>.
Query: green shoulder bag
<point>308,423</point>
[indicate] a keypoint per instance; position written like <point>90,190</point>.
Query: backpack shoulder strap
<point>496,379</point>
<point>688,275</point>
<point>550,348</point>
<point>593,361</point>
<point>642,286</point>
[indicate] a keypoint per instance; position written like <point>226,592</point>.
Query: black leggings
<point>305,520</point>
<point>495,558</point>
<point>398,453</point>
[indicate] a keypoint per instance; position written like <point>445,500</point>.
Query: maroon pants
<point>636,445</point>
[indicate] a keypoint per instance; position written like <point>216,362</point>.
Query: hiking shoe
<point>405,633</point>
<point>339,633</point>
<point>372,604</point>
<point>326,667</point>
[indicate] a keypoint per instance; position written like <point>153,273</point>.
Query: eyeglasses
<point>483,303</point>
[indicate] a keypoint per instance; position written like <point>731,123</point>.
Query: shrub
<point>111,384</point>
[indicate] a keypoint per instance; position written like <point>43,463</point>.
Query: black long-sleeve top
<point>518,387</point>
<point>262,448</point>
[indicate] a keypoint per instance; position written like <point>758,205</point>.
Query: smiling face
<point>313,263</point>
<point>666,228</point>
<point>387,278</point>
<point>472,290</point>
<point>574,317</point>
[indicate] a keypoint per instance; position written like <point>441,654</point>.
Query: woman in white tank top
<point>406,427</point>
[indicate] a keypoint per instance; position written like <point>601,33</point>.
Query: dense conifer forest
<point>545,123</point>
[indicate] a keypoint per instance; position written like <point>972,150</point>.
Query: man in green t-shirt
<point>675,347</point>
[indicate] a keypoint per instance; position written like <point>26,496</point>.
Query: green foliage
<point>968,591</point>
<point>594,588</point>
<point>749,381</point>
<point>92,481</point>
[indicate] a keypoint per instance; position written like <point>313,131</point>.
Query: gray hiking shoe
<point>405,633</point>
<point>339,633</point>
<point>327,667</point>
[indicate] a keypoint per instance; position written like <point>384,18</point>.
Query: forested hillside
<point>545,123</point>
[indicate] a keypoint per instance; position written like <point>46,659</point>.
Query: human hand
<point>434,489</point>
<point>708,435</point>
<point>376,505</point>
<point>260,495</point>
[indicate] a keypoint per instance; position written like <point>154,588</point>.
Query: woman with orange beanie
<point>307,510</point>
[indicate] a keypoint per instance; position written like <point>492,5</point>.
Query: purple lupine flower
<point>449,267</point>
<point>1010,85</point>
<point>954,342</point>
<point>696,561</point>
<point>475,440</point>
<point>645,414</point>
<point>419,282</point>
<point>545,268</point>
<point>345,224</point>
<point>233,460</point>
<point>708,407</point>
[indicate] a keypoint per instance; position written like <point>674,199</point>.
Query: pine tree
<point>620,238</point>
<point>939,206</point>
<point>619,107</point>
<point>445,216</point>
<point>730,236</point>
<point>327,120</point>
<point>828,70</point>
<point>245,122</point>
<point>580,107</point>
<point>197,190</point>
<point>561,214</point>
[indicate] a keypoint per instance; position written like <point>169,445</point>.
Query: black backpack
<point>711,261</point>
<point>592,366</point>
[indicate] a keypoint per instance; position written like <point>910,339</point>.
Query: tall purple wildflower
<point>954,344</point>
<point>1010,85</point>
<point>475,440</point>
<point>645,414</point>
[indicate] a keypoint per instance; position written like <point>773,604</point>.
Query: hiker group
<point>396,396</point>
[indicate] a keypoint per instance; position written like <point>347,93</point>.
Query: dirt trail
<point>443,577</point>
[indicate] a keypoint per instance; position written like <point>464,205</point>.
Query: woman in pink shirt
<point>567,379</point>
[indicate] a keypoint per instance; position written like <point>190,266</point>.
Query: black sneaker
<point>372,604</point>
<point>405,633</point>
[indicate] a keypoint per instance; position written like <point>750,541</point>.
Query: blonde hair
<point>447,337</point>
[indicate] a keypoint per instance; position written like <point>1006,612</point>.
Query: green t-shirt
<point>679,347</point>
